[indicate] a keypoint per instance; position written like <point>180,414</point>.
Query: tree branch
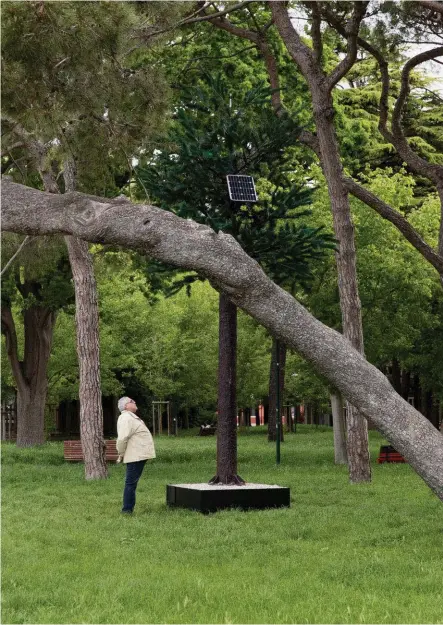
<point>351,32</point>
<point>396,136</point>
<point>210,16</point>
<point>418,164</point>
<point>17,144</point>
<point>310,139</point>
<point>226,25</point>
<point>272,69</point>
<point>299,51</point>
<point>397,219</point>
<point>11,260</point>
<point>204,18</point>
<point>316,31</point>
<point>404,90</point>
<point>38,152</point>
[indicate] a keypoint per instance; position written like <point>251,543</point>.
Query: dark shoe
<point>126,511</point>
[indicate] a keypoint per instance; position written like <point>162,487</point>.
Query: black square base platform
<point>212,497</point>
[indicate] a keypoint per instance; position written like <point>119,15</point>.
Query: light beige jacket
<point>134,440</point>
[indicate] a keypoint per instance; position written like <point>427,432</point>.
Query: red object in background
<point>389,454</point>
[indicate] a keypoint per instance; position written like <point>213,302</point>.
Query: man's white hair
<point>122,403</point>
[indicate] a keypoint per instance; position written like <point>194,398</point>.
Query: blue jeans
<point>133,474</point>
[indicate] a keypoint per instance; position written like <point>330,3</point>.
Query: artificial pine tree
<point>211,137</point>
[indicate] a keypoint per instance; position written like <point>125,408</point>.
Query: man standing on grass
<point>134,446</point>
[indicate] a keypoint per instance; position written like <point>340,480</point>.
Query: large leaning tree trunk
<point>227,396</point>
<point>88,348</point>
<point>219,258</point>
<point>320,86</point>
<point>30,374</point>
<point>272,418</point>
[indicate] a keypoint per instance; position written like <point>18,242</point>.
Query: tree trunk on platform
<point>227,396</point>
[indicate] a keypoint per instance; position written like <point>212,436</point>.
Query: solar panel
<point>242,189</point>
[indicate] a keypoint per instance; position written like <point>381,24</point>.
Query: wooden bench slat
<point>72,451</point>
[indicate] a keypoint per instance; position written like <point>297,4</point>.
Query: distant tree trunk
<point>405,384</point>
<point>30,374</point>
<point>272,419</point>
<point>416,391</point>
<point>431,409</point>
<point>339,426</point>
<point>396,377</point>
<point>227,400</point>
<point>88,348</point>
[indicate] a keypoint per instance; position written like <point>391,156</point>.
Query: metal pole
<point>277,409</point>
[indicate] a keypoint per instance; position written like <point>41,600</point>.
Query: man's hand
<point>119,459</point>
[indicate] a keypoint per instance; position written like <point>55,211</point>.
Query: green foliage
<point>216,134</point>
<point>69,74</point>
<point>303,385</point>
<point>253,361</point>
<point>400,292</point>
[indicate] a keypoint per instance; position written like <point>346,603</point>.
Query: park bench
<point>73,451</point>
<point>207,430</point>
<point>389,454</point>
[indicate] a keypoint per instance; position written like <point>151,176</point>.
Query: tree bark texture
<point>88,350</point>
<point>30,374</point>
<point>272,418</point>
<point>323,110</point>
<point>88,347</point>
<point>357,429</point>
<point>227,395</point>
<point>220,259</point>
<point>339,426</point>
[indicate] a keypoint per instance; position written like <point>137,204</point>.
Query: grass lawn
<point>371,553</point>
